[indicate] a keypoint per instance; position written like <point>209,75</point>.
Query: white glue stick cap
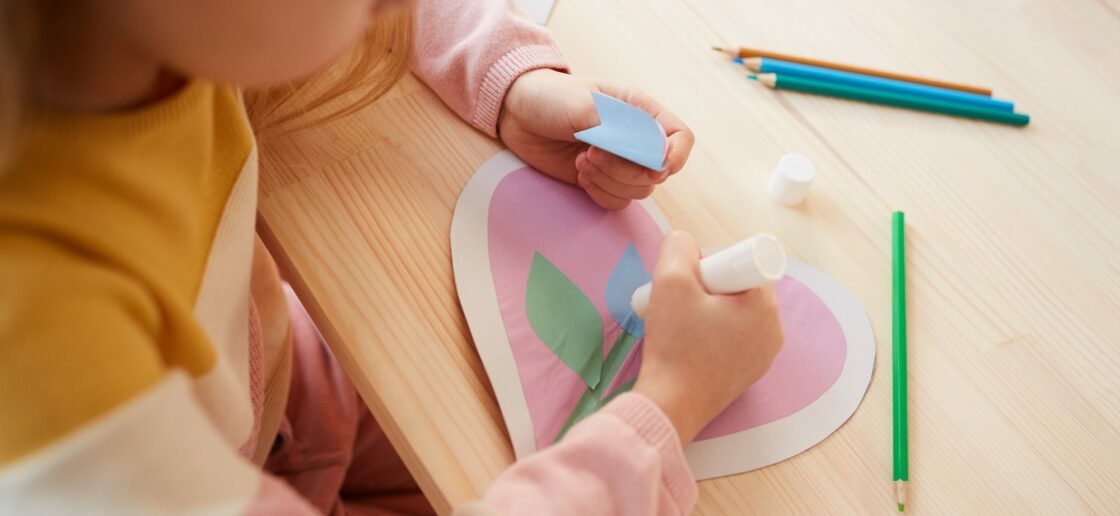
<point>790,182</point>
<point>751,263</point>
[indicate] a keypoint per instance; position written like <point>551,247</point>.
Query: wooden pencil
<point>754,52</point>
<point>898,376</point>
<point>795,83</point>
<point>768,65</point>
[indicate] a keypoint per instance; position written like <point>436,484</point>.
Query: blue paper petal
<point>627,132</point>
<point>627,276</point>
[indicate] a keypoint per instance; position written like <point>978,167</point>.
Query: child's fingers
<point>756,297</point>
<point>680,141</point>
<point>613,187</point>
<point>678,264</point>
<point>622,170</point>
<point>679,135</point>
<point>600,196</point>
<point>680,146</point>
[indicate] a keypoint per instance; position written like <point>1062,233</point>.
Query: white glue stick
<point>751,263</point>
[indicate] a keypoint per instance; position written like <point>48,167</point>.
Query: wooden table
<point>1014,242</point>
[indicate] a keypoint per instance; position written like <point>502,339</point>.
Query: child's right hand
<point>702,350</point>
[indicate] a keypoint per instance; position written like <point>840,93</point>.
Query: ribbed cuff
<point>654,427</point>
<point>502,74</point>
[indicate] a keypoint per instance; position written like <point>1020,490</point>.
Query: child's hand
<point>702,350</point>
<point>544,108</point>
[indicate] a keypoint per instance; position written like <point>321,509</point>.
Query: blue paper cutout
<point>627,276</point>
<point>626,132</point>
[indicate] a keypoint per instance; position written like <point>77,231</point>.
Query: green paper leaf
<point>565,320</point>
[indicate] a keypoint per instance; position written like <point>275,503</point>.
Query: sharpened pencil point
<point>738,60</point>
<point>752,77</point>
<point>901,507</point>
<point>726,52</point>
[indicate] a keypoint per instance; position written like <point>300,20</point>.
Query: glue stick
<point>751,263</point>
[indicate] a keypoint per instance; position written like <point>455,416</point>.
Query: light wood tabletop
<point>1013,242</point>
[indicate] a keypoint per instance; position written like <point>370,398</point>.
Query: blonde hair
<point>353,81</point>
<point>360,77</point>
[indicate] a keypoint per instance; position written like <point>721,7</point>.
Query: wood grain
<point>1014,247</point>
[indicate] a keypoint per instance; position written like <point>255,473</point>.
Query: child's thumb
<point>678,263</point>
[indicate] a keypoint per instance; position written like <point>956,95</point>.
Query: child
<point>150,360</point>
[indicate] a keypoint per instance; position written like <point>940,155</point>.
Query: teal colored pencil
<point>791,82</point>
<point>898,377</point>
<point>817,73</point>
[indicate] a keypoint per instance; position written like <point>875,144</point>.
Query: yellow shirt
<point>126,250</point>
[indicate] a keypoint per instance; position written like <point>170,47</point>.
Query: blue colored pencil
<point>766,65</point>
<point>890,98</point>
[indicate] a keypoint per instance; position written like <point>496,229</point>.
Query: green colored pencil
<point>898,281</point>
<point>795,83</point>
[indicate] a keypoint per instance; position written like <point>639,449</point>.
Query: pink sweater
<point>626,459</point>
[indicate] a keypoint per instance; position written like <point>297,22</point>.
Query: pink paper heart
<point>532,213</point>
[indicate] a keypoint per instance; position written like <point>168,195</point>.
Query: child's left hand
<point>544,108</point>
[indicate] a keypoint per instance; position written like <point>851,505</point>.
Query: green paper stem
<point>592,400</point>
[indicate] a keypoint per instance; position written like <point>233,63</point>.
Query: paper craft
<point>564,319</point>
<point>537,10</point>
<point>626,132</point>
<point>545,277</point>
<point>628,275</point>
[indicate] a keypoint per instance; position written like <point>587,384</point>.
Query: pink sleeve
<point>470,51</point>
<point>625,459</point>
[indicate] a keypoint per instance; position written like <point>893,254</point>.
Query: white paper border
<point>735,453</point>
<point>475,284</point>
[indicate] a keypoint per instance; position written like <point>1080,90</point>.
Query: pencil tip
<point>717,49</point>
<point>901,507</point>
<point>753,77</point>
<point>737,60</point>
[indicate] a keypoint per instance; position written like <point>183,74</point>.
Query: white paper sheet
<point>538,10</point>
